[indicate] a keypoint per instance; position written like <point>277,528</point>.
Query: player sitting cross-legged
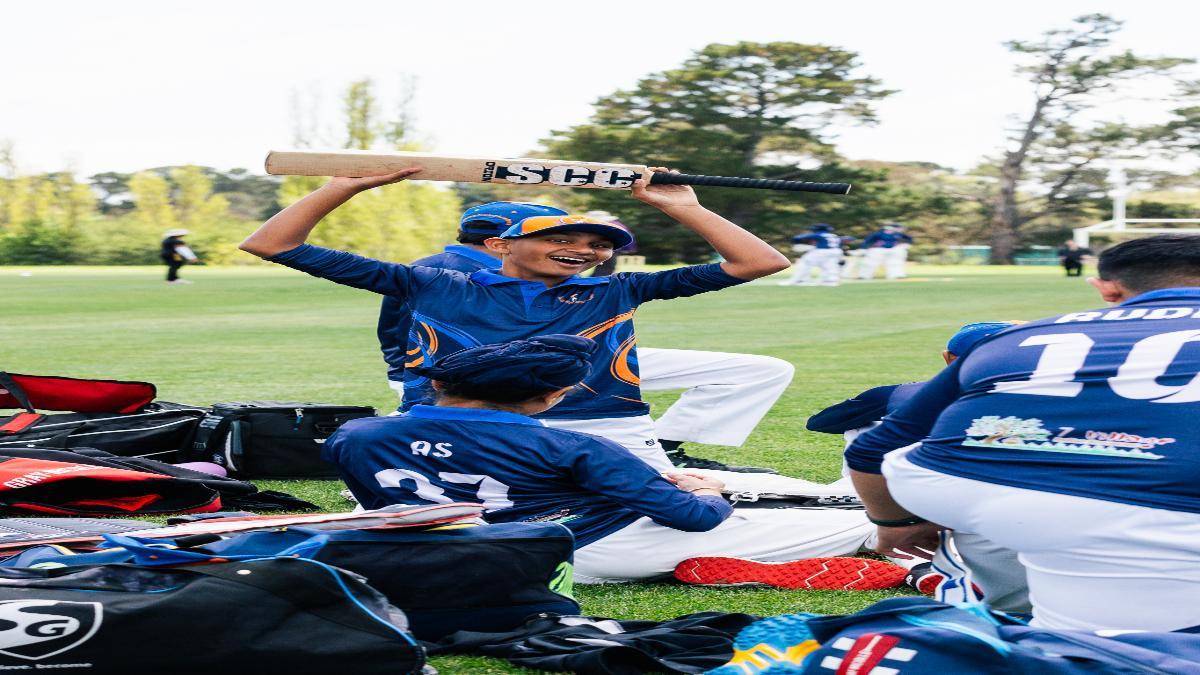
<point>480,443</point>
<point>536,291</point>
<point>726,394</point>
<point>1070,440</point>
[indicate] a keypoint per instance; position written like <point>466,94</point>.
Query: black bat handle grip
<point>663,178</point>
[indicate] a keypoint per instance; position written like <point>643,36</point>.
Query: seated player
<point>1070,440</point>
<point>995,570</point>
<point>726,395</point>
<point>479,444</point>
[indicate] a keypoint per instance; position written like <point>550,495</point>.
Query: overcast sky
<point>124,85</point>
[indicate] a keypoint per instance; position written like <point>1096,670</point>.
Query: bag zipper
<point>120,417</point>
<point>97,433</point>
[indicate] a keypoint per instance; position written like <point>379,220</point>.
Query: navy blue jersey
<point>453,311</point>
<point>819,240</point>
<point>883,239</point>
<point>517,468</point>
<point>395,321</point>
<point>863,410</point>
<point>1101,404</point>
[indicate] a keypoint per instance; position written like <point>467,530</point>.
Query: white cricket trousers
<point>645,550</point>
<point>824,259</point>
<point>897,256</point>
<point>726,395</point>
<point>1091,564</point>
<point>870,262</point>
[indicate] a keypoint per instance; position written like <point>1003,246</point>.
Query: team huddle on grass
<point>1049,466</point>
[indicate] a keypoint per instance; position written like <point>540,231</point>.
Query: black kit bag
<point>159,430</point>
<point>272,615</point>
<point>478,578</point>
<point>271,439</point>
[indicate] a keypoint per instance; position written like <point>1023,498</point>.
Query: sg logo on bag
<point>36,629</point>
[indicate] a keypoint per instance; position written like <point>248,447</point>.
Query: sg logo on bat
<point>568,176</point>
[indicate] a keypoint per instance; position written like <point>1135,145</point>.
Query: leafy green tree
<point>749,109</point>
<point>1056,149</point>
<point>398,222</point>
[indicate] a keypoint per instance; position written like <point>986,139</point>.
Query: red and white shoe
<point>838,574</point>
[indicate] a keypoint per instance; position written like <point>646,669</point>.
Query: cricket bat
<point>561,173</point>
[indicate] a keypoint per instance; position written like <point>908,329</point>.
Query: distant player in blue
<point>479,444</point>
<point>726,394</point>
<point>824,255</point>
<point>1071,440</point>
<point>537,290</point>
<point>889,247</point>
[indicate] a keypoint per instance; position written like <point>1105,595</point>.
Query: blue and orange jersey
<point>453,311</point>
<point>395,321</point>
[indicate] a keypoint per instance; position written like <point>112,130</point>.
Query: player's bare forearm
<point>746,256</point>
<point>873,491</point>
<point>290,227</point>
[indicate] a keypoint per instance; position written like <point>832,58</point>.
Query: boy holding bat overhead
<point>538,291</point>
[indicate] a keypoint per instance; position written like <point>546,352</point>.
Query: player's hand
<point>663,197</point>
<point>690,482</point>
<point>368,182</point>
<point>912,541</point>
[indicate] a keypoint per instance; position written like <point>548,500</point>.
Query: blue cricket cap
<point>538,364</point>
<point>973,333</point>
<point>544,224</point>
<point>822,227</point>
<point>495,217</point>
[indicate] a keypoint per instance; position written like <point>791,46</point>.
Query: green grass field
<point>270,333</point>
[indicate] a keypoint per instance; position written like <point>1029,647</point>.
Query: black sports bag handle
<point>17,392</point>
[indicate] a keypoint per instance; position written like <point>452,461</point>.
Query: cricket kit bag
<point>73,488</point>
<point>462,577</point>
<point>916,636</point>
<point>271,439</point>
<point>235,494</point>
<point>270,615</point>
<point>479,578</point>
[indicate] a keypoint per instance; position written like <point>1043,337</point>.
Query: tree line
<point>748,109</point>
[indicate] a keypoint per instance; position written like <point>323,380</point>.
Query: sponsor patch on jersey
<point>1016,433</point>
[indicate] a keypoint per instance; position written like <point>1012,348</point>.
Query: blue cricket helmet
<point>494,218</point>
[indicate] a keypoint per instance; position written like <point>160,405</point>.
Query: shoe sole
<point>836,574</point>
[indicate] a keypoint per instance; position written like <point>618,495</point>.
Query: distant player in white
<point>1071,440</point>
<point>824,255</point>
<point>879,248</point>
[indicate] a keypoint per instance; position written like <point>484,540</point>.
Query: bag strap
<point>7,382</point>
<point>206,434</point>
<point>21,421</point>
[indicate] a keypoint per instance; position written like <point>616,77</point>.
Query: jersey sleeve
<point>853,413</point>
<point>608,469</point>
<point>392,331</point>
<point>680,282</point>
<point>348,269</point>
<point>909,424</point>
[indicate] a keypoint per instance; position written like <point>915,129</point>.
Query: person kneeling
<point>479,444</point>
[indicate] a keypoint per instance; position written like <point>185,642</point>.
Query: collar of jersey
<point>433,412</point>
<point>468,252</point>
<point>1190,292</point>
<point>493,277</point>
